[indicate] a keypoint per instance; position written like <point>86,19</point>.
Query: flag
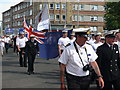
<point>42,19</point>
<point>29,31</point>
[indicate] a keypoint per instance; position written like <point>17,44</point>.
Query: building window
<point>30,2</point>
<point>75,18</point>
<point>63,17</point>
<point>63,6</point>
<point>81,7</point>
<point>94,28</point>
<point>57,17</point>
<point>31,12</point>
<point>75,7</point>
<point>94,18</point>
<point>52,17</point>
<point>51,6</point>
<point>81,18</point>
<point>18,7</point>
<point>57,6</point>
<point>40,6</point>
<point>18,23</point>
<point>31,21</point>
<point>94,7</point>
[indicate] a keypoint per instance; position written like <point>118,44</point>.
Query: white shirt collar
<point>78,46</point>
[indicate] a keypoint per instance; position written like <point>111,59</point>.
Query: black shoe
<point>32,72</point>
<point>25,65</point>
<point>29,73</point>
<point>21,65</point>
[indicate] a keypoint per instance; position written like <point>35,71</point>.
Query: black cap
<point>110,36</point>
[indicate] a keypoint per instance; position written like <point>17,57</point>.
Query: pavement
<point>46,74</point>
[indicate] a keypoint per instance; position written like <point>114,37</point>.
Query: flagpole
<point>49,18</point>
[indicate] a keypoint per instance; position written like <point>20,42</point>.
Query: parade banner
<point>9,30</point>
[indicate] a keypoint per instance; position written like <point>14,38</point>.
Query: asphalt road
<point>46,74</point>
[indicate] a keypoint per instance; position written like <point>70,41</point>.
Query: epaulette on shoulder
<point>68,45</point>
<point>88,43</point>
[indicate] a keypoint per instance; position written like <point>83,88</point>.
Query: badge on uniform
<point>35,43</point>
<point>116,51</point>
<point>89,54</point>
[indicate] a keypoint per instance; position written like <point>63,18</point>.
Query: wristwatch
<point>99,76</point>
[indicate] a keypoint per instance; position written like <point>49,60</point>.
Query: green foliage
<point>112,16</point>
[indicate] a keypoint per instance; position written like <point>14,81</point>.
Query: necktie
<point>111,47</point>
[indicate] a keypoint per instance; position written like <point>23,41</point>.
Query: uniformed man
<point>7,43</point>
<point>109,63</point>
<point>75,60</point>
<point>97,42</point>
<point>63,41</point>
<point>32,49</point>
<point>20,43</point>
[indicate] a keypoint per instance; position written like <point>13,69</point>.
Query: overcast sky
<point>6,4</point>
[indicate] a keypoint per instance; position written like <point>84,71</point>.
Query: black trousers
<point>22,57</point>
<point>31,59</point>
<point>109,85</point>
<point>6,47</point>
<point>77,83</point>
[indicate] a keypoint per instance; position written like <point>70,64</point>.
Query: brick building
<point>62,14</point>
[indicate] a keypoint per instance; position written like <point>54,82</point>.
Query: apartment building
<point>61,14</point>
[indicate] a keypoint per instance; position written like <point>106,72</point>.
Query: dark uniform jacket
<point>109,61</point>
<point>32,47</point>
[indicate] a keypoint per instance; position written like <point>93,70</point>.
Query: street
<point>46,73</point>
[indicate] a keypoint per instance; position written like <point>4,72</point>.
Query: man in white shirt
<point>63,41</point>
<point>7,41</point>
<point>97,42</point>
<point>75,60</point>
<point>20,43</point>
<point>2,45</point>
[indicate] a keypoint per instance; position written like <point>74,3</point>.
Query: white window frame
<point>56,17</point>
<point>94,7</point>
<point>51,17</point>
<point>93,18</point>
<point>81,7</point>
<point>94,28</point>
<point>63,6</point>
<point>31,21</point>
<point>40,6</point>
<point>57,6</point>
<point>81,18</point>
<point>75,17</point>
<point>63,19</point>
<point>30,11</point>
<point>51,7</point>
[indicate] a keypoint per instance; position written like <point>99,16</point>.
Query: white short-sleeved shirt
<point>63,42</point>
<point>21,42</point>
<point>2,42</point>
<point>7,39</point>
<point>96,45</point>
<point>72,61</point>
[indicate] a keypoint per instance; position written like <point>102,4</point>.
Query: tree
<point>112,16</point>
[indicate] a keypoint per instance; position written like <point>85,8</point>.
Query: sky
<point>6,4</point>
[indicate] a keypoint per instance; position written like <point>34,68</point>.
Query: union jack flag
<point>29,31</point>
